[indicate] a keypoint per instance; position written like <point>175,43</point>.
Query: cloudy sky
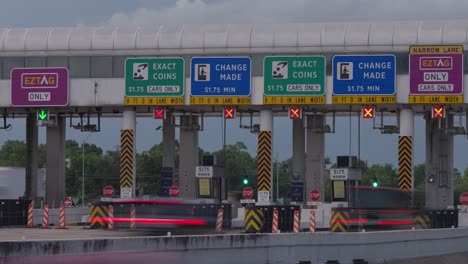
<point>49,13</point>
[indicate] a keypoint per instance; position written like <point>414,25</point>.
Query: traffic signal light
<point>159,113</point>
<point>295,112</point>
<point>375,183</point>
<point>368,111</point>
<point>438,111</point>
<point>229,113</point>
<point>42,115</point>
<point>245,181</point>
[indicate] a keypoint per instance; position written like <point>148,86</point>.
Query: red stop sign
<point>314,195</point>
<point>67,202</point>
<point>174,192</point>
<point>247,193</point>
<point>464,198</point>
<point>108,191</point>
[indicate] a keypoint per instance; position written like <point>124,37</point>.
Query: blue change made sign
<point>220,76</point>
<point>364,74</point>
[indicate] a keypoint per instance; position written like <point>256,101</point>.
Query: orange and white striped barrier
<point>30,216</point>
<point>274,226</point>
<point>45,216</point>
<point>219,221</point>
<point>296,221</point>
<point>312,221</point>
<point>62,217</point>
<point>110,218</point>
<point>132,218</point>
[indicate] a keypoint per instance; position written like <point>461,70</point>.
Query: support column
<point>55,169</point>
<point>264,168</point>
<point>32,156</point>
<point>188,156</point>
<point>127,154</point>
<point>315,158</point>
<point>439,163</point>
<point>168,158</point>
<point>405,151</point>
<point>298,150</point>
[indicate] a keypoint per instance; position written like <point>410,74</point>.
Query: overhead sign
<point>161,79</point>
<point>220,80</point>
<point>36,87</point>
<point>436,74</point>
<point>361,79</point>
<point>204,171</point>
<point>294,79</point>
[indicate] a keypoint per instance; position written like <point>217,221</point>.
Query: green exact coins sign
<point>290,76</point>
<point>154,77</point>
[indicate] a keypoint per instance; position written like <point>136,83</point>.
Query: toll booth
<point>210,179</point>
<point>344,178</point>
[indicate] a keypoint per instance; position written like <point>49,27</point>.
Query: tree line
<point>103,168</point>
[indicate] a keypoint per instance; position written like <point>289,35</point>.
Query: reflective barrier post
<point>62,217</point>
<point>45,216</point>
<point>132,218</point>
<point>274,228</point>
<point>312,221</point>
<point>110,217</point>
<point>296,226</point>
<point>30,215</point>
<point>219,221</point>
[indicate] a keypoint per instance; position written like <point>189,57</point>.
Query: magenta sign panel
<point>436,70</point>
<point>39,87</point>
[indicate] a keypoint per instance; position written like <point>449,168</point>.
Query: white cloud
<point>283,11</point>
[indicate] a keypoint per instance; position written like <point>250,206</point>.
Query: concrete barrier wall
<point>376,247</point>
<point>72,215</point>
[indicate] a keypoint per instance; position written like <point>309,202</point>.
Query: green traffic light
<point>245,181</point>
<point>375,183</point>
<point>42,115</point>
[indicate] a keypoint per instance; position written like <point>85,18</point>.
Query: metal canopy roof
<point>235,38</point>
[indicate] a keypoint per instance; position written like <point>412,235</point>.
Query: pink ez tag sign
<point>39,87</point>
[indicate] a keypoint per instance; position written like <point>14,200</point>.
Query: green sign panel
<point>154,77</point>
<point>291,76</point>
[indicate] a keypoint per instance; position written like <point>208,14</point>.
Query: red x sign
<point>438,111</point>
<point>368,111</point>
<point>229,113</point>
<point>294,112</point>
<point>159,113</point>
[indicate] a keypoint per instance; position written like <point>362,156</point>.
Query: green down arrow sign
<point>42,115</point>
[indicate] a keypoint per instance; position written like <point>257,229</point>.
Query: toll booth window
<point>31,62</point>
<point>80,67</point>
<point>101,67</point>
<point>338,190</point>
<point>10,63</point>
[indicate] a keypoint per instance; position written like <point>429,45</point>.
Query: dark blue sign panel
<point>166,181</point>
<point>364,74</point>
<point>220,76</point>
<point>297,192</point>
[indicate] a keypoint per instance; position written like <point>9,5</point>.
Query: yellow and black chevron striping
<point>421,221</point>
<point>264,161</point>
<point>253,221</point>
<point>126,158</point>
<point>338,221</point>
<point>405,162</point>
<point>98,216</point>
